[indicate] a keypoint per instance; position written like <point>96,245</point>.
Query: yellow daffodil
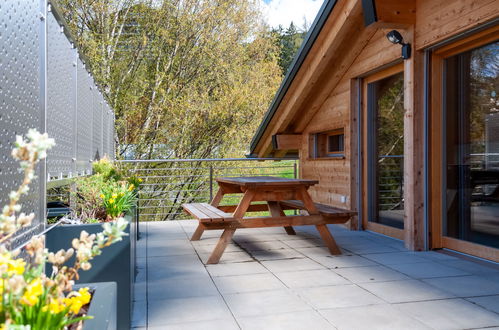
<point>140,180</point>
<point>130,188</point>
<point>77,300</point>
<point>121,194</point>
<point>85,296</point>
<point>102,196</point>
<point>13,267</point>
<point>33,291</point>
<point>17,266</point>
<point>111,201</point>
<point>55,306</point>
<point>114,196</point>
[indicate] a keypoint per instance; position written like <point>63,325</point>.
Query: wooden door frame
<point>366,224</point>
<point>437,140</point>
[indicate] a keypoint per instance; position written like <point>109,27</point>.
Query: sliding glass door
<point>384,151</point>
<point>471,144</point>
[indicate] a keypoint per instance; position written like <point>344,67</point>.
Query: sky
<point>284,11</point>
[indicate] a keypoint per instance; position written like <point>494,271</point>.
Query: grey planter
<point>115,264</point>
<point>103,306</point>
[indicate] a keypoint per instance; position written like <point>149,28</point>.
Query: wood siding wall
<point>335,175</point>
<point>436,21</point>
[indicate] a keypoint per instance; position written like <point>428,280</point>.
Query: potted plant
<point>30,299</point>
<point>106,195</point>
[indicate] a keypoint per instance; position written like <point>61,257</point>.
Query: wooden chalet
<point>393,107</point>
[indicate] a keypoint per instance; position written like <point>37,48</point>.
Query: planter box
<point>115,264</point>
<point>103,306</point>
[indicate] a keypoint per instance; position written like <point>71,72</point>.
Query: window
<point>328,144</point>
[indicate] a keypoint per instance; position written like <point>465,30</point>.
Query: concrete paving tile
<point>370,274</point>
<point>243,268</point>
<point>490,303</point>
<point>289,265</point>
<point>169,248</point>
<point>180,288</point>
<point>373,317</point>
<point>247,283</point>
<point>466,286</point>
<point>286,321</point>
<point>224,324</point>
<point>343,261</point>
<point>263,246</point>
<point>158,235</point>
<point>208,249</point>
<point>395,258</point>
<point>436,256</point>
<point>265,303</point>
<point>405,291</point>
<point>320,251</point>
<point>450,314</point>
<point>336,296</point>
<point>472,267</point>
<point>311,278</point>
<point>139,314</point>
<point>299,236</point>
<point>428,270</point>
<point>206,241</point>
<point>366,249</point>
<point>276,254</point>
<point>304,243</point>
<point>186,266</point>
<point>244,237</point>
<point>229,257</point>
<point>185,310</point>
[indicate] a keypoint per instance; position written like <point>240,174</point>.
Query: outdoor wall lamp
<point>396,38</point>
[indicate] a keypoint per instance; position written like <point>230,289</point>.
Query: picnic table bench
<point>280,194</point>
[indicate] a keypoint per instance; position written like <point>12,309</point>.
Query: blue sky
<point>284,11</point>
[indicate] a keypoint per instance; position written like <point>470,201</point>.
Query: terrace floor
<point>269,280</point>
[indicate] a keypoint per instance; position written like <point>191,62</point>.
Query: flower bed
<point>29,299</point>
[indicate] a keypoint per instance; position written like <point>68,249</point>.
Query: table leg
<point>328,239</point>
<point>229,232</point>
<point>221,245</point>
<point>198,233</point>
<point>276,211</point>
<point>218,198</point>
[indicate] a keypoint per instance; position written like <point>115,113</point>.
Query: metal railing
<point>391,182</point>
<point>167,184</point>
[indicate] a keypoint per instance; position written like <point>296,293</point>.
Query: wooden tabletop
<point>249,181</point>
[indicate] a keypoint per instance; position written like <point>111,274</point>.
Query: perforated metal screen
<point>44,85</point>
<point>84,120</point>
<point>61,101</point>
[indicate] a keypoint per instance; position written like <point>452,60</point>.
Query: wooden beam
<point>395,12</point>
<point>318,60</point>
<point>286,141</point>
<point>413,150</point>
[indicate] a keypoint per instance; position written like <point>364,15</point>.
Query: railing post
<point>295,170</point>
<point>402,181</point>
<point>211,183</point>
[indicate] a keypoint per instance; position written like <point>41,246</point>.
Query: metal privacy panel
<point>97,151</point>
<point>19,97</point>
<point>84,120</point>
<point>105,130</point>
<point>61,98</point>
<point>112,154</point>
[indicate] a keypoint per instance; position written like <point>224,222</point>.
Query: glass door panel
<point>471,112</point>
<point>385,107</point>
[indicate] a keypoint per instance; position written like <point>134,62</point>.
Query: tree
<point>186,78</point>
<point>289,42</point>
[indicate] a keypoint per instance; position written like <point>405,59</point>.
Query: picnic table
<point>279,194</point>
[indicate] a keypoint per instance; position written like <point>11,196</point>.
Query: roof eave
<point>316,28</point>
